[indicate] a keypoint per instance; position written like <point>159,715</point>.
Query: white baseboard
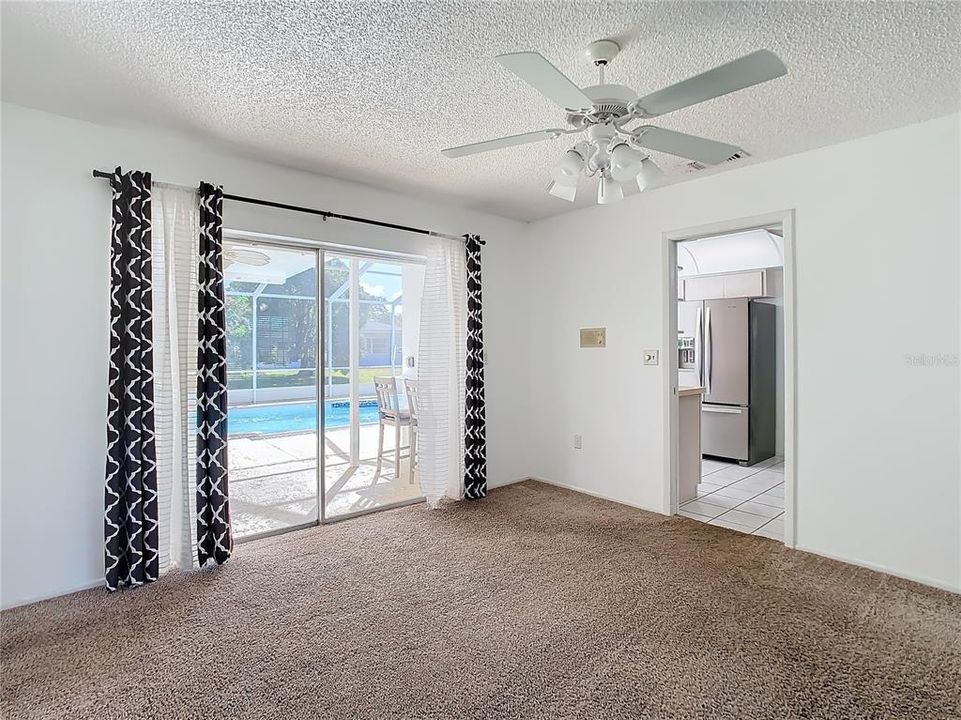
<point>882,569</point>
<point>505,483</point>
<point>594,493</point>
<point>20,602</point>
<point>849,561</point>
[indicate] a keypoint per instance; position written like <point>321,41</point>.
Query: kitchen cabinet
<point>689,442</point>
<point>748,284</point>
<point>708,287</point>
<point>745,284</point>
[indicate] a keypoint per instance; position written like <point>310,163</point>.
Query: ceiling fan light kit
<point>614,152</point>
<point>609,191</point>
<point>564,192</point>
<point>569,168</point>
<point>626,162</point>
<point>648,174</point>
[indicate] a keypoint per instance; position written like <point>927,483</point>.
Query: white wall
<point>878,467</point>
<point>55,229</point>
<point>877,248</point>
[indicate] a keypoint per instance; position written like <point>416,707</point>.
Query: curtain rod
<point>326,214</point>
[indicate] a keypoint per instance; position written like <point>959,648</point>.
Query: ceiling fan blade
<point>534,69</point>
<point>709,152</point>
<point>503,142</point>
<point>744,72</point>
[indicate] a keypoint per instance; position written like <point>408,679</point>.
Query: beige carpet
<point>535,603</point>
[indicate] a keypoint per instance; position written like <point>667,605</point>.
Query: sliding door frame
<point>321,250</point>
<point>321,379</point>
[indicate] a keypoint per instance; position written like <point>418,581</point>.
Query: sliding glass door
<point>372,318</point>
<point>294,336</point>
<point>272,312</point>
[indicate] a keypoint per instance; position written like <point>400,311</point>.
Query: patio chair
<point>412,400</point>
<point>390,413</point>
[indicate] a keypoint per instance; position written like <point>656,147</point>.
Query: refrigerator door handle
<point>698,348</point>
<point>722,409</point>
<point>708,351</point>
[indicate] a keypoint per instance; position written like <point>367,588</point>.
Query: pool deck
<point>273,479</point>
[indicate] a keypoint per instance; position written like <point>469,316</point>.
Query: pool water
<point>295,417</point>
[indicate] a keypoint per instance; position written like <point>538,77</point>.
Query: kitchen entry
<point>729,380</point>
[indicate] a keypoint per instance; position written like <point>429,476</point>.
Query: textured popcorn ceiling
<point>372,91</point>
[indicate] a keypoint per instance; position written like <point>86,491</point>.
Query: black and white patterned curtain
<point>475,430</point>
<point>214,540</point>
<point>131,537</point>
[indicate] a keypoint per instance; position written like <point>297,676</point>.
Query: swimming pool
<point>294,417</point>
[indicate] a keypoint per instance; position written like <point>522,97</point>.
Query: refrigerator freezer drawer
<point>724,431</point>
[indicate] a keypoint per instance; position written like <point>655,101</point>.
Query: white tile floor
<point>747,499</point>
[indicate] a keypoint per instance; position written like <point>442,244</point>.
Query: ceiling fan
<point>613,151</point>
<point>239,255</point>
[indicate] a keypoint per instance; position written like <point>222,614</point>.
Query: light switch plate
<point>651,357</point>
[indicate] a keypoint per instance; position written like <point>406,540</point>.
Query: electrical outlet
<point>651,357</point>
<point>577,442</point>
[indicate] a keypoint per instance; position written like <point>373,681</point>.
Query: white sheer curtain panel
<point>176,232</point>
<point>442,354</point>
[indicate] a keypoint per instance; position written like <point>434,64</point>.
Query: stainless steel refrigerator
<point>729,348</point>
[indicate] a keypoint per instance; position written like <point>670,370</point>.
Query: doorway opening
<point>308,331</point>
<point>731,317</point>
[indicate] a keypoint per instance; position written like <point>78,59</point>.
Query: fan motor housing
<point>610,101</point>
